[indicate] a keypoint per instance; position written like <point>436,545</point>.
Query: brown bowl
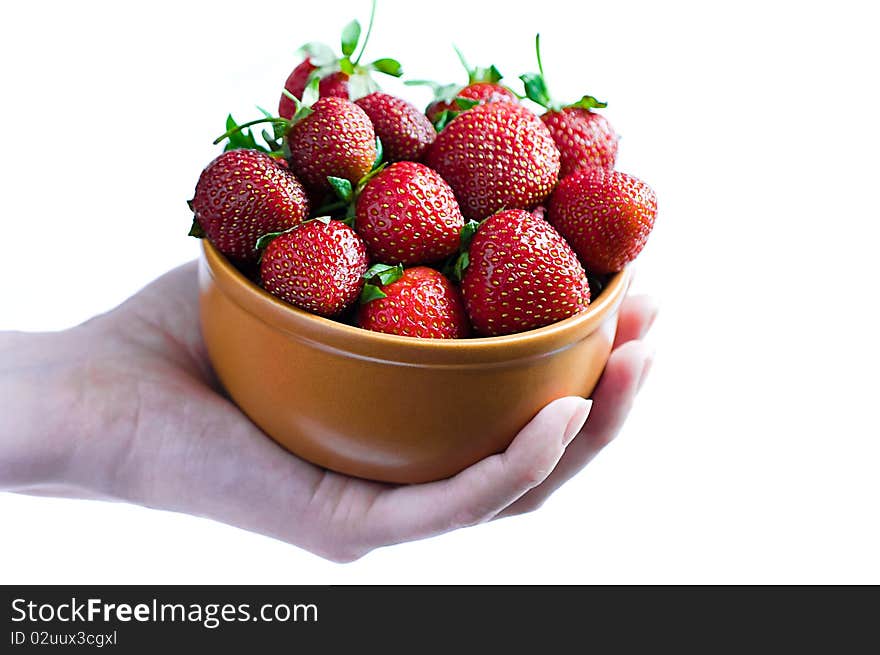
<point>384,407</point>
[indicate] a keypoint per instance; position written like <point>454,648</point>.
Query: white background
<point>753,453</point>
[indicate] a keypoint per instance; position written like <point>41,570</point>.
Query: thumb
<point>481,491</point>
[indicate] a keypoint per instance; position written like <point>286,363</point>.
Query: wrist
<point>44,414</point>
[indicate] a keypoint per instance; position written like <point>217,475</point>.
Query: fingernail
<point>646,368</point>
<point>577,420</point>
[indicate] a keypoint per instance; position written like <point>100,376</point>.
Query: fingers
<point>481,491</point>
<point>637,314</point>
<point>625,372</point>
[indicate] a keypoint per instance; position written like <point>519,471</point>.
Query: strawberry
<point>326,137</point>
<point>404,131</point>
<point>521,275</point>
<point>240,196</point>
<point>479,93</point>
<point>416,302</point>
<point>317,266</point>
<point>341,77</point>
<point>605,215</point>
<point>450,100</point>
<point>496,156</point>
<point>335,138</point>
<point>333,85</point>
<point>407,214</point>
<point>584,138</point>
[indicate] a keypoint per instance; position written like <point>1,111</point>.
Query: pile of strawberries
<point>477,216</point>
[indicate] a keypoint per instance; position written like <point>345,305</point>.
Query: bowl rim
<point>278,314</point>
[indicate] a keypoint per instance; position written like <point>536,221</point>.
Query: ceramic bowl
<point>384,407</point>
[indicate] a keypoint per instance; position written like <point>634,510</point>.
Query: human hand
<point>126,407</point>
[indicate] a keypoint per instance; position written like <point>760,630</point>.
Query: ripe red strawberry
<point>480,92</point>
<point>317,266</point>
<point>421,303</point>
<point>483,87</point>
<point>496,156</point>
<point>242,195</point>
<point>334,85</point>
<point>584,138</point>
<point>340,76</point>
<point>405,132</point>
<point>408,215</point>
<point>521,275</point>
<point>335,139</point>
<point>605,215</point>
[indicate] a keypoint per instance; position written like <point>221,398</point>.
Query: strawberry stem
<point>535,85</point>
<point>538,52</point>
<point>464,62</point>
<point>491,75</point>
<point>367,36</point>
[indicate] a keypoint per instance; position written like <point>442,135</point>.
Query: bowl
<point>384,407</point>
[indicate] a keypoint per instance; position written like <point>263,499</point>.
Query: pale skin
<point>125,407</point>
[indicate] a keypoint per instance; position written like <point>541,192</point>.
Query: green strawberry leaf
<point>466,103</point>
<point>274,145</point>
<point>380,154</point>
<point>589,102</point>
<point>442,92</point>
<point>447,92</point>
<point>301,113</point>
<point>467,233</point>
<point>238,136</point>
<point>361,84</point>
<point>447,115</point>
<point>444,119</point>
<point>269,237</point>
<point>388,66</point>
<point>491,75</point>
<point>311,93</point>
<point>435,86</point>
<point>370,293</point>
<point>341,187</point>
<point>460,266</point>
<point>536,89</point>
<point>346,66</point>
<point>301,109</point>
<point>279,130</point>
<point>366,179</point>
<point>386,273</point>
<point>456,265</point>
<point>351,34</point>
<point>196,229</point>
<point>319,54</point>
